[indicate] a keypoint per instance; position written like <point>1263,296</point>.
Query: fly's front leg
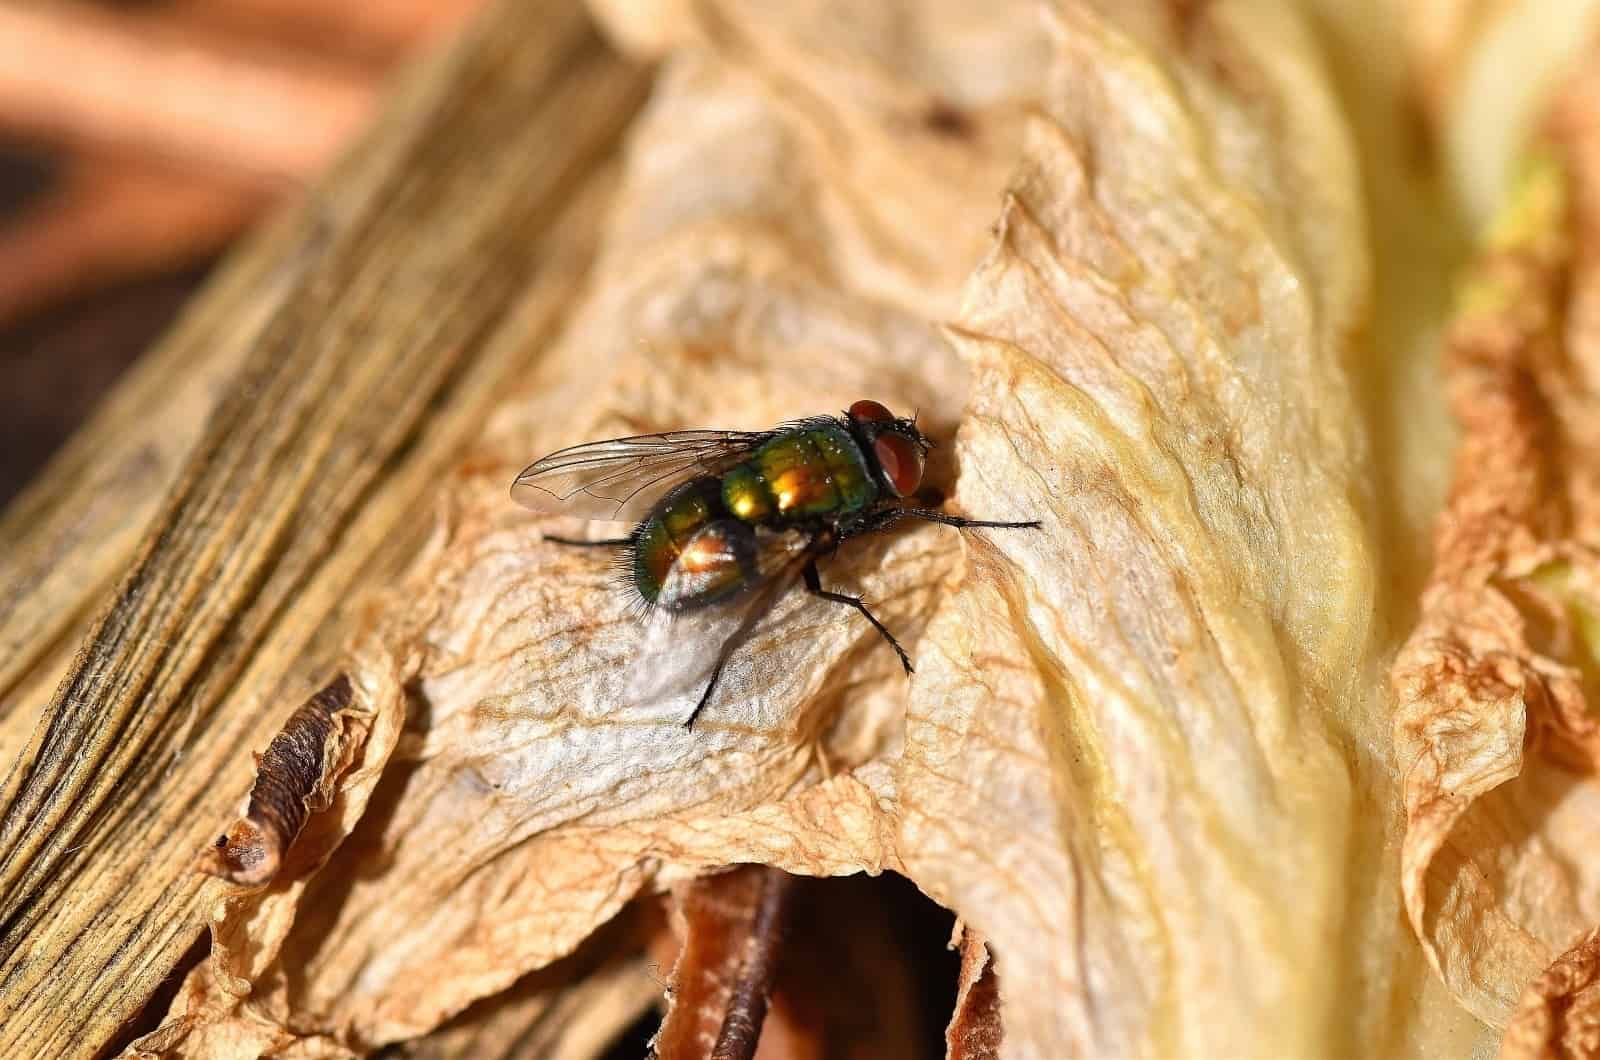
<point>868,523</point>
<point>934,515</point>
<point>873,522</point>
<point>814,587</point>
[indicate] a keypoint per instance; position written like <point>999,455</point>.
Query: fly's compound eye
<point>870,411</point>
<point>901,460</point>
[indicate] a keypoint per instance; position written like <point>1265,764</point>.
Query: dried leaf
<point>975,1030</point>
<point>1145,752</point>
<point>1496,732</point>
<point>248,924</point>
<point>1559,1014</point>
<point>572,1010</point>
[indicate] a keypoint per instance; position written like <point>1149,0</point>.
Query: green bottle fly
<point>728,518</point>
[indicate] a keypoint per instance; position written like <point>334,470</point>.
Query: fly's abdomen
<point>809,473</point>
<point>714,564</point>
<point>688,552</point>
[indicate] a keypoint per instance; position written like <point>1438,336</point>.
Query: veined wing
<point>619,479</point>
<point>682,649</point>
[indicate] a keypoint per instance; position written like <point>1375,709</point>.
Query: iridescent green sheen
<point>691,539</point>
<point>851,477</point>
<point>745,494</point>
<point>716,562</point>
<point>661,537</point>
<point>814,472</point>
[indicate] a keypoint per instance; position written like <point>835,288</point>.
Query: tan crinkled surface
<point>1122,259</point>
<point>1179,644</point>
<point>1558,1014</point>
<point>248,926</point>
<point>520,809</point>
<point>1496,732</point>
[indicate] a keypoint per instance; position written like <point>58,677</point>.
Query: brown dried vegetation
<point>1227,737</point>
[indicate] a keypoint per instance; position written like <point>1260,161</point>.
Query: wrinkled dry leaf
<point>1146,752</point>
<point>1559,1014</point>
<point>570,1010</point>
<point>975,1030</point>
<point>1496,732</point>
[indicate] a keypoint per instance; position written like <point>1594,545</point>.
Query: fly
<point>725,521</point>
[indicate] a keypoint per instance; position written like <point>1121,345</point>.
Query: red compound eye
<point>870,411</point>
<point>901,460</point>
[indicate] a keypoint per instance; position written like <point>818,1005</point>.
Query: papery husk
<point>1182,649</point>
<point>1496,731</point>
<point>1143,753</point>
<point>574,1009</point>
<point>976,1029</point>
<point>1558,1016</point>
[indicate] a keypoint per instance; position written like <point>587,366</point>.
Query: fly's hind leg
<point>814,587</point>
<point>705,697</point>
<point>731,645</point>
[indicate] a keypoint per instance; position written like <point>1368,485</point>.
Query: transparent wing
<point>619,479</point>
<point>681,649</point>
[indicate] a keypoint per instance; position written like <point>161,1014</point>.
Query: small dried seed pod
<point>288,789</point>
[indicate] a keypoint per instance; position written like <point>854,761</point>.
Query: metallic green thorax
<point>798,476</point>
<point>709,523</point>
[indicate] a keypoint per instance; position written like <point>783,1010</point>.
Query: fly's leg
<point>605,542</point>
<point>737,638</point>
<point>870,523</point>
<point>705,697</point>
<point>820,543</point>
<point>873,522</point>
<point>814,587</point>
<point>934,515</point>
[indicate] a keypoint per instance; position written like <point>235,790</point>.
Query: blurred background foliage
<point>138,139</point>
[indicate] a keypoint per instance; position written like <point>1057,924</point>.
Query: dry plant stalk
<point>364,32</point>
<point>734,927</point>
<point>336,382</point>
<point>1155,756</point>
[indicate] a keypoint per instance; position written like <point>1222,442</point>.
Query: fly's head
<point>894,446</point>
